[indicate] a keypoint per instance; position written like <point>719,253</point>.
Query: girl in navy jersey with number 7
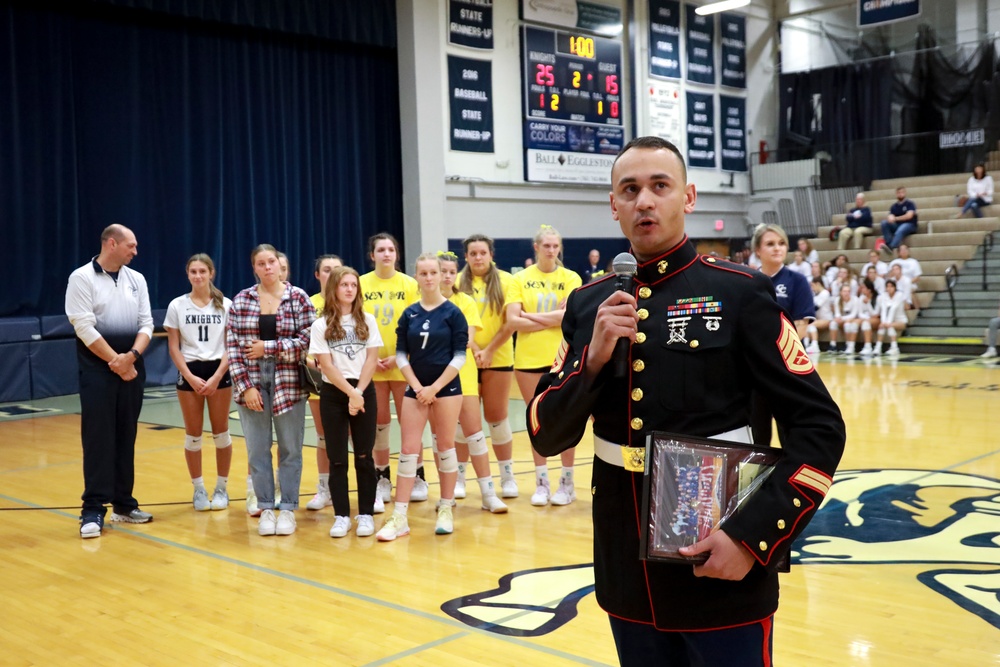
<point>431,339</point>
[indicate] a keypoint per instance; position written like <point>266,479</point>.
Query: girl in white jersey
<point>196,335</point>
<point>536,304</point>
<point>845,318</point>
<point>892,316</point>
<point>867,313</point>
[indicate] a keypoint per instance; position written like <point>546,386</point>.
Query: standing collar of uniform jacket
<point>673,261</point>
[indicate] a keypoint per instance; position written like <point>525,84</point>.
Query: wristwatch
<point>136,353</point>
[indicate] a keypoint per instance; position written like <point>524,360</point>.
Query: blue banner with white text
<point>733,30</point>
<point>700,38</point>
<point>700,130</point>
<point>877,12</point>
<point>665,38</point>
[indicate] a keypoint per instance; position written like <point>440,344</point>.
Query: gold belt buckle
<point>634,459</point>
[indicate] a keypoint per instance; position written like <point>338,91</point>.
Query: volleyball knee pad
<point>866,326</point>
<point>477,443</point>
<point>500,432</point>
<point>811,331</point>
<point>834,326</point>
<point>382,437</point>
<point>851,327</point>
<point>459,434</point>
<point>192,443</point>
<point>222,440</point>
<point>434,443</point>
<point>892,333</point>
<point>449,460</point>
<point>407,465</point>
<point>321,442</point>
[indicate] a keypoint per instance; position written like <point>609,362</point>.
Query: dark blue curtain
<point>200,137</point>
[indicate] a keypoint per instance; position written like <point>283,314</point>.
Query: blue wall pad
<point>15,371</point>
<point>56,326</point>
<point>54,371</point>
<point>160,370</point>
<point>19,329</point>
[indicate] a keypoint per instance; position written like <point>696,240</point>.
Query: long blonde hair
<point>331,307</point>
<point>217,296</point>
<point>494,287</point>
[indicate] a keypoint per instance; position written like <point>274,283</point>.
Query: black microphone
<point>625,268</point>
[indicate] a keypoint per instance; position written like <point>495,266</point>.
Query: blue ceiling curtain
<point>201,136</point>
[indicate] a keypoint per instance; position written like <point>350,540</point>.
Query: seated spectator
<point>892,317</point>
<point>872,276</point>
<point>824,314</point>
<point>859,225</point>
<point>844,308</point>
<point>831,271</point>
<point>873,260</point>
<point>817,272</point>
<point>593,265</point>
<point>991,338</point>
<point>901,222</point>
<point>903,285</point>
<point>979,190</point>
<point>808,252</point>
<point>911,267</point>
<point>868,319</point>
<point>844,277</point>
<point>799,265</point>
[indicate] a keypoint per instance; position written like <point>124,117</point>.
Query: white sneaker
<point>508,488</point>
<point>565,494</point>
<point>866,351</point>
<point>989,353</point>
<point>379,505</point>
<point>460,486</point>
<point>494,504</point>
<point>266,524</point>
<point>445,522</point>
<point>286,523</point>
<point>420,490</point>
<point>813,348</point>
<point>220,499</point>
<point>893,351</point>
<point>201,501</point>
<point>395,526</point>
<point>341,526</point>
<point>366,525</point>
<point>540,497</point>
<point>321,499</point>
<point>252,508</point>
<point>384,489</point>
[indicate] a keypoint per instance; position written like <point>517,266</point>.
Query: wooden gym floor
<point>901,567</point>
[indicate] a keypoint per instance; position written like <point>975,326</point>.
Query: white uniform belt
<point>633,459</point>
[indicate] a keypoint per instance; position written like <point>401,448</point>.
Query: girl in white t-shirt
<point>345,341</point>
<point>196,335</point>
<point>892,316</point>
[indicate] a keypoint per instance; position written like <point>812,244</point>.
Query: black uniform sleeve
<point>813,429</point>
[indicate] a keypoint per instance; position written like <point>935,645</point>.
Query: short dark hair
<point>653,143</point>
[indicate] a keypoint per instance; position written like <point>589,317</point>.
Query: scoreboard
<point>571,77</point>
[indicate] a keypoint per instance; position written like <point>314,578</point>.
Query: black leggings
<point>337,423</point>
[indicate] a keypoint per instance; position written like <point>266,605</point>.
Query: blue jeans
<point>289,427</point>
<point>974,204</point>
<point>895,232</point>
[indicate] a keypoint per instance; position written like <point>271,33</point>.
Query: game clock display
<point>571,77</point>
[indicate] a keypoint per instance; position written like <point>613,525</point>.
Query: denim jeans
<point>895,232</point>
<point>974,204</point>
<point>289,427</point>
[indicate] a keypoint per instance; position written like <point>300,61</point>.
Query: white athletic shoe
<point>540,497</point>
<point>813,348</point>
<point>366,525</point>
<point>395,526</point>
<point>866,351</point>
<point>989,353</point>
<point>460,486</point>
<point>379,507</point>
<point>420,491</point>
<point>220,499</point>
<point>384,489</point>
<point>286,523</point>
<point>321,499</point>
<point>252,508</point>
<point>494,504</point>
<point>341,526</point>
<point>266,525</point>
<point>201,501</point>
<point>445,522</point>
<point>893,350</point>
<point>565,494</point>
<point>508,488</point>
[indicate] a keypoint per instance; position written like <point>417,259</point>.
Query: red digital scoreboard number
<point>571,77</point>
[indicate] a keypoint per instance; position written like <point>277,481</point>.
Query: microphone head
<point>624,264</point>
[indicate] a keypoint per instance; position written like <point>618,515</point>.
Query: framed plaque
<point>691,486</point>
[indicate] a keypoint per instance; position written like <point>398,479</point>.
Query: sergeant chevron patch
<point>792,352</point>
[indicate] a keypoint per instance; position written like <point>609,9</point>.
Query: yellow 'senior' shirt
<point>386,300</point>
<point>539,292</point>
<point>493,321</point>
<point>468,374</point>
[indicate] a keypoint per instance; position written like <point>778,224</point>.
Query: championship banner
<point>665,111</point>
<point>878,12</point>
<point>600,17</point>
<point>733,29</point>
<point>700,131</point>
<point>700,47</point>
<point>470,92</point>
<point>732,110</point>
<point>470,23</point>
<point>665,38</point>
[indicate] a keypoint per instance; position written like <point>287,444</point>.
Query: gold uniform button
<point>561,375</point>
<point>640,338</point>
<point>763,545</point>
<point>781,524</point>
<point>638,365</point>
<point>662,266</point>
<point>576,363</point>
<point>645,292</point>
<point>643,313</point>
<point>694,344</point>
<point>636,424</point>
<point>797,502</point>
<point>711,260</point>
<point>637,394</point>
<point>593,490</point>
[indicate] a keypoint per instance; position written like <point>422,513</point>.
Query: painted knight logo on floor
<point>869,517</point>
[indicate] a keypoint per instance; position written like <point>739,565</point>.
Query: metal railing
<point>987,246</point>
<point>950,280</point>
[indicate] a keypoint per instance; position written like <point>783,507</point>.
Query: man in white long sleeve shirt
<point>108,306</point>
